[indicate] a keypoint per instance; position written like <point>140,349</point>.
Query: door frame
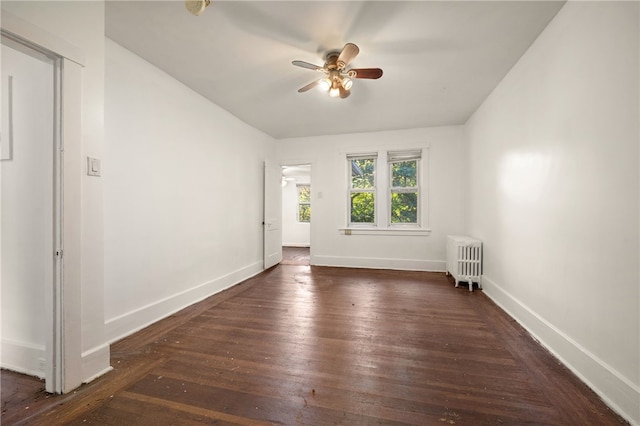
<point>314,198</point>
<point>52,293</point>
<point>64,336</point>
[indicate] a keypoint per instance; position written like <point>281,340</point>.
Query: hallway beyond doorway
<point>295,256</point>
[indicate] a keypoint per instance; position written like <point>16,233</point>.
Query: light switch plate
<point>93,166</point>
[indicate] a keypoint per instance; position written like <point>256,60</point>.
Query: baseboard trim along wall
<point>23,357</point>
<point>380,263</point>
<point>130,322</point>
<point>617,391</point>
<point>93,362</point>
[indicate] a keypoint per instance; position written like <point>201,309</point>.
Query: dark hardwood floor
<point>295,256</point>
<point>300,345</point>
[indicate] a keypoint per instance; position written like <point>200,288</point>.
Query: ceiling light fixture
<point>325,84</point>
<point>338,80</point>
<point>196,7</point>
<point>334,92</point>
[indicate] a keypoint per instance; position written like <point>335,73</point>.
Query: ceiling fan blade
<point>344,93</point>
<point>372,73</point>
<point>304,64</point>
<point>349,51</point>
<point>308,86</point>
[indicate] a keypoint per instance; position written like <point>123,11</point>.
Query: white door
<point>272,215</point>
<point>28,189</point>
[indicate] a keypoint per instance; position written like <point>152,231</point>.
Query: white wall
<point>294,233</point>
<point>554,194</point>
<point>183,195</point>
<point>446,178</point>
<point>80,24</point>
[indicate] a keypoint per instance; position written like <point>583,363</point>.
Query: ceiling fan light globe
<point>324,84</point>
<point>196,7</point>
<point>347,83</point>
<point>334,92</point>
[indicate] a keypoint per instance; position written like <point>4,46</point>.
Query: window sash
<point>394,157</point>
<point>366,190</point>
<point>302,203</point>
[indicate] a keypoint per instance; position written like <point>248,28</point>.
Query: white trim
<point>93,362</point>
<point>23,357</point>
<point>393,231</point>
<point>128,323</point>
<point>616,390</point>
<point>53,369</point>
<point>380,263</point>
<point>36,35</point>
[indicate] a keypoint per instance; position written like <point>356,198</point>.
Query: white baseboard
<point>130,322</point>
<point>29,359</point>
<point>617,391</point>
<point>94,362</point>
<point>380,263</point>
<point>295,245</point>
<point>22,357</point>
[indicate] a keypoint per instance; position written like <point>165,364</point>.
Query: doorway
<point>30,191</point>
<point>296,213</point>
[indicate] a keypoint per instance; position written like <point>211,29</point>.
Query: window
<point>387,198</point>
<point>362,189</point>
<point>403,187</point>
<point>304,203</point>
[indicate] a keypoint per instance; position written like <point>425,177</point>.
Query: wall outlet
<point>41,364</point>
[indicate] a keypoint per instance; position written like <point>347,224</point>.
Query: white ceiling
<point>440,59</point>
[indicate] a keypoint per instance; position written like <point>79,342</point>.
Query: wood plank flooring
<point>300,345</point>
<point>295,256</point>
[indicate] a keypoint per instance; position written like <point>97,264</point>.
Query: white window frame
<point>400,157</point>
<point>299,203</point>
<point>382,194</point>
<point>350,157</point>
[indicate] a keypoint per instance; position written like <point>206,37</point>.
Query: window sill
<point>405,232</point>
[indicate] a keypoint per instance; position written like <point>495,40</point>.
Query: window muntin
<point>362,189</point>
<point>304,203</point>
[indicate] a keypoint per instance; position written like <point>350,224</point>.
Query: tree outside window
<point>304,203</point>
<point>404,191</point>
<point>390,195</point>
<point>362,190</point>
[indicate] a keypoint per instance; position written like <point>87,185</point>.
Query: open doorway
<point>296,214</point>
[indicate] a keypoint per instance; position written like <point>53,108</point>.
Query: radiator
<point>464,260</point>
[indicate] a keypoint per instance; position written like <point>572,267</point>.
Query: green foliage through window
<point>403,174</point>
<point>362,207</point>
<point>362,192</point>
<point>404,207</point>
<point>363,173</point>
<point>404,192</point>
<point>400,183</point>
<point>304,203</point>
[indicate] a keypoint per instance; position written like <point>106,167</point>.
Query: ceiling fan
<point>338,80</point>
